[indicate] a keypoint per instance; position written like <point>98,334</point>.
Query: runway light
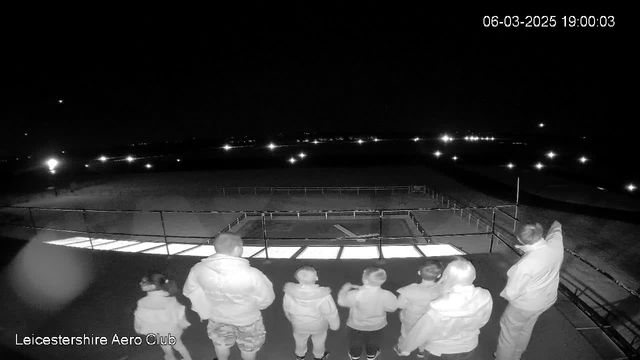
<point>130,158</point>
<point>60,101</point>
<point>148,166</point>
<point>437,153</point>
<point>302,155</point>
<point>631,187</point>
<point>178,160</point>
<point>492,138</point>
<point>583,159</point>
<point>292,160</point>
<point>103,158</point>
<point>315,142</point>
<point>25,134</point>
<point>416,139</point>
<point>375,139</point>
<point>541,125</point>
<point>271,146</point>
<point>446,138</point>
<point>539,166</point>
<point>510,165</point>
<point>551,154</point>
<point>360,141</point>
<point>455,158</point>
<point>227,147</point>
<point>86,165</point>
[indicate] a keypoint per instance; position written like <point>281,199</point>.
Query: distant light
<point>541,125</point>
<point>600,188</point>
<point>446,138</point>
<point>226,147</point>
<point>178,160</point>
<point>360,141</point>
<point>631,187</point>
<point>53,171</point>
<point>148,166</point>
<point>52,163</point>
<point>492,138</point>
<point>292,160</point>
<point>315,141</point>
<point>455,158</point>
<point>271,146</point>
<point>510,165</point>
<point>437,153</point>
<point>539,166</point>
<point>63,151</point>
<point>551,154</point>
<point>130,158</point>
<point>103,158</point>
<point>60,101</point>
<point>86,165</point>
<point>583,159</point>
<point>375,139</point>
<point>302,155</point>
<point>25,134</point>
<point>416,139</point>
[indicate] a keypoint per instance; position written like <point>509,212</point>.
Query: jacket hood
<point>306,292</point>
<point>224,264</point>
<point>461,301</point>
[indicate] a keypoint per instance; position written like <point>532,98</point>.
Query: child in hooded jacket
<point>414,299</point>
<point>311,311</point>
<point>160,313</point>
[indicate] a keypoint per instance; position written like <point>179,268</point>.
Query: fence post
<point>33,223</point>
<point>164,232</point>
<point>380,256</point>
<point>86,226</point>
<point>493,228</point>
<point>264,239</point>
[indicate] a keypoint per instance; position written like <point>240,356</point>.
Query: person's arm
<point>194,292</point>
<point>419,334</point>
<point>191,284</point>
<point>402,299</point>
<point>554,236</point>
<point>330,312</point>
<point>264,291</point>
<point>346,298</point>
<point>516,283</point>
<point>391,302</point>
<point>286,305</point>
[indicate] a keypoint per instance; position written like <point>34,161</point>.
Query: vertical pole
<point>33,223</point>
<point>264,238</point>
<point>380,257</point>
<point>164,233</point>
<point>493,227</point>
<point>86,226</point>
<point>515,222</point>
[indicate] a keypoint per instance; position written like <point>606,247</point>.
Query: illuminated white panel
<point>360,252</point>
<point>173,248</point>
<point>202,250</point>
<point>249,251</point>
<point>114,245</point>
<point>320,252</point>
<point>439,250</point>
<point>95,242</point>
<point>141,247</point>
<point>279,252</point>
<point>67,241</point>
<point>82,244</point>
<point>400,251</point>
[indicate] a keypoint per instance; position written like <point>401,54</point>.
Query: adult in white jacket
<point>532,288</point>
<point>450,328</point>
<point>311,311</point>
<point>225,290</point>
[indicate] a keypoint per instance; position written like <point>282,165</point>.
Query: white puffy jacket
<point>159,313</point>
<point>310,308</point>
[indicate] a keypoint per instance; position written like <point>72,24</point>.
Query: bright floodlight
<point>541,125</point>
<point>315,141</point>
<point>510,165</point>
<point>446,138</point>
<point>148,166</point>
<point>416,139</point>
<point>52,163</point>
<point>360,141</point>
<point>292,160</point>
<point>271,146</point>
<point>539,166</point>
<point>226,147</point>
<point>302,155</point>
<point>583,159</point>
<point>631,187</point>
<point>455,158</point>
<point>102,158</point>
<point>437,153</point>
<point>551,155</point>
<point>130,158</point>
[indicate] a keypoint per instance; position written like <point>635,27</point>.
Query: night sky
<point>257,75</point>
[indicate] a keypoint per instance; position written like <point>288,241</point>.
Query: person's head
<point>458,272</point>
<point>530,234</point>
<point>431,270</point>
<point>157,281</point>
<point>374,276</point>
<point>306,275</point>
<point>228,244</point>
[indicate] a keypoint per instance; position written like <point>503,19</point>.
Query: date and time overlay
<point>550,21</point>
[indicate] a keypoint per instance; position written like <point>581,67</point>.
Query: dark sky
<point>308,72</point>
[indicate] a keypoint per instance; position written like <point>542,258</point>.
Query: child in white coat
<point>311,311</point>
<point>414,299</point>
<point>159,313</point>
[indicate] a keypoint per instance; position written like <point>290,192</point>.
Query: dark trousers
<point>461,356</point>
<point>364,339</point>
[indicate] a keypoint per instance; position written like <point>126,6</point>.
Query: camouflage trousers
<point>249,338</point>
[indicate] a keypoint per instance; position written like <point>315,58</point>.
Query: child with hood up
<point>160,313</point>
<point>311,311</point>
